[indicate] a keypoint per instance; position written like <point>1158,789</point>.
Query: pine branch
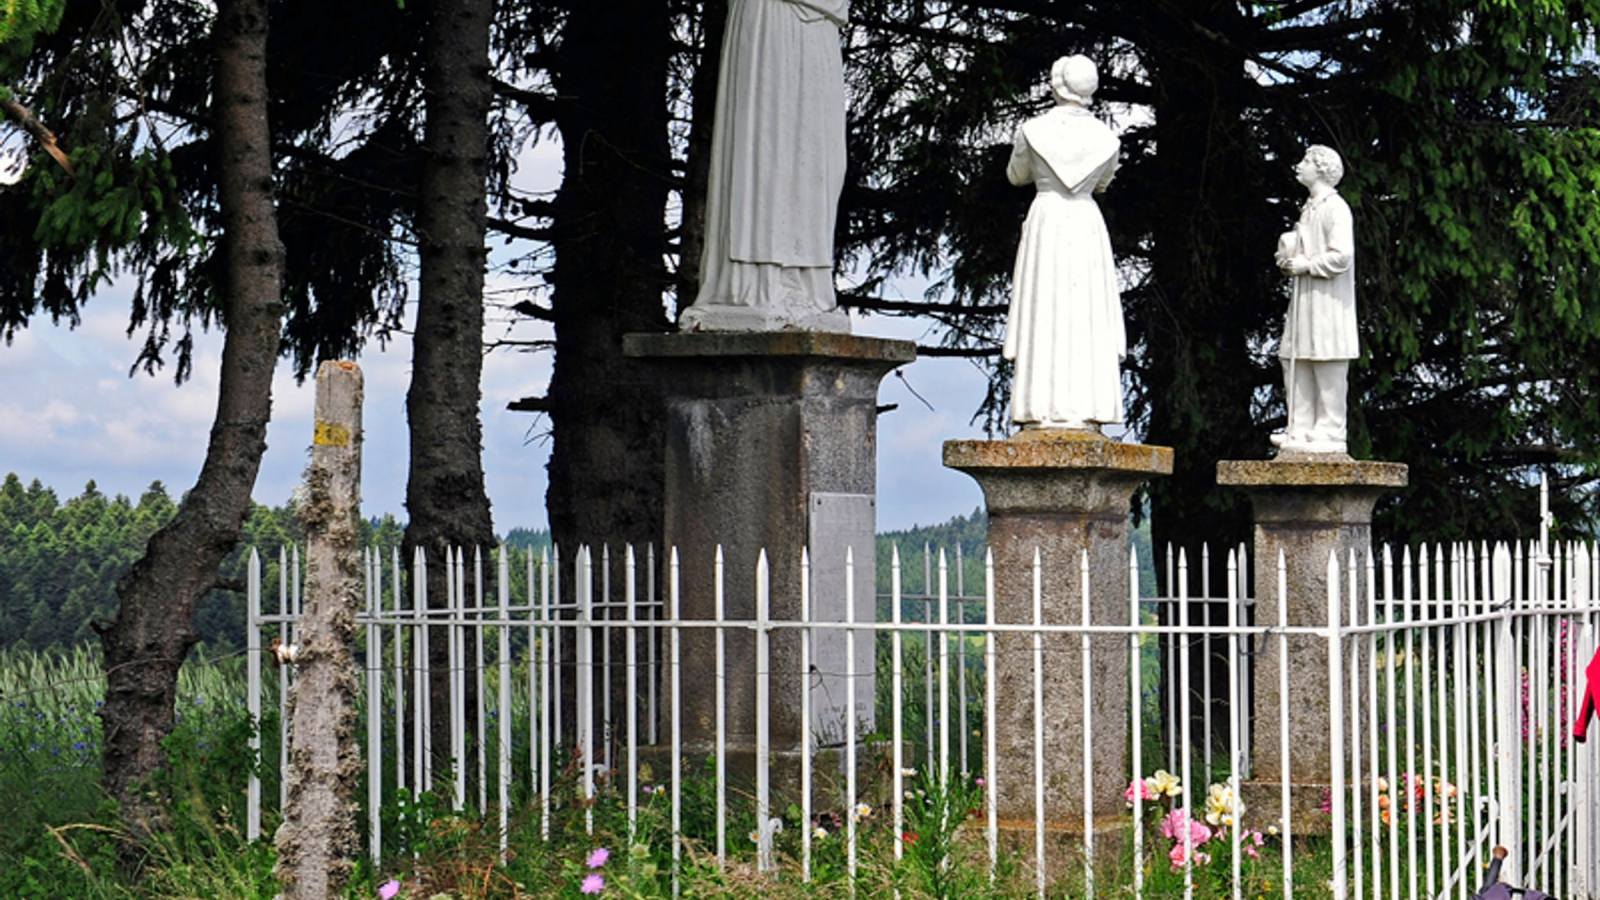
<point>25,118</point>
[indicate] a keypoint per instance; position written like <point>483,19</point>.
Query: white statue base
<point>1080,426</point>
<point>761,318</point>
<point>1289,446</point>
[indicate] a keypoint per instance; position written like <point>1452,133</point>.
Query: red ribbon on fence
<point>1591,697</point>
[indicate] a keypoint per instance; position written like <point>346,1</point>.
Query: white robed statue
<point>777,167</point>
<point>1064,330</point>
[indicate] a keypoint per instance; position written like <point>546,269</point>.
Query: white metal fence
<point>1456,670</point>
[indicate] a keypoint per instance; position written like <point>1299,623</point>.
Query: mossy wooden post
<point>317,840</point>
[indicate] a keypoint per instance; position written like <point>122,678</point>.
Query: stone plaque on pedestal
<point>1306,507</point>
<point>772,444</point>
<point>1060,493</point>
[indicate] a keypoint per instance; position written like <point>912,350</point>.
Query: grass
<point>59,837</point>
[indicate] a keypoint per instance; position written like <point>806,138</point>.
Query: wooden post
<point>317,841</point>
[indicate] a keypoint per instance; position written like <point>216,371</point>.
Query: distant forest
<point>967,536</point>
<point>59,562</point>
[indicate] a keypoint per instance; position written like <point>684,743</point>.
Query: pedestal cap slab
<point>1311,489</point>
<point>1024,473</point>
<point>1309,471</point>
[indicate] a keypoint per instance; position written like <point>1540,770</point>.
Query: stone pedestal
<point>771,444</point>
<point>1061,493</point>
<point>1306,506</point>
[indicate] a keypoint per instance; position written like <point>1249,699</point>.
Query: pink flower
<point>1251,840</point>
<point>1172,825</point>
<point>388,890</point>
<point>1140,785</point>
<point>593,884</point>
<point>1179,856</point>
<point>598,858</point>
<point>1177,822</point>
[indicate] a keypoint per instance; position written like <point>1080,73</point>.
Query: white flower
<point>819,832</point>
<point>1221,805</point>
<point>909,773</point>
<point>861,811</point>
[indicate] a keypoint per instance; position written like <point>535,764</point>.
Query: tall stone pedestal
<point>1306,506</point>
<point>1061,493</point>
<point>771,444</point>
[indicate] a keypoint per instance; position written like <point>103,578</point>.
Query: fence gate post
<point>317,839</point>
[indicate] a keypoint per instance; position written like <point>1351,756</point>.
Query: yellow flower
<point>1164,784</point>
<point>1221,804</point>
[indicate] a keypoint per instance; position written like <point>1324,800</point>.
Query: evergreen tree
<point>1468,166</point>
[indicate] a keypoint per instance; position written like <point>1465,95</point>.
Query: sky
<point>69,413</point>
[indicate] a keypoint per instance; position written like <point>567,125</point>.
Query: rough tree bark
<point>608,280</point>
<point>608,277</point>
<point>1206,272</point>
<point>317,840</point>
<point>147,641</point>
<point>445,495</point>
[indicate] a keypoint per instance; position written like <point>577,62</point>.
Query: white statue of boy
<point>1319,332</point>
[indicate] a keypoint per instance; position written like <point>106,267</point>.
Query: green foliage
<point>920,547</point>
<point>21,21</point>
<point>121,196</point>
<point>939,863</point>
<point>60,836</point>
<point>60,562</point>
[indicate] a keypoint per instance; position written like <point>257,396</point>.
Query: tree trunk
<point>608,280</point>
<point>146,643</point>
<point>317,840</point>
<point>1207,275</point>
<point>692,230</point>
<point>445,494</point>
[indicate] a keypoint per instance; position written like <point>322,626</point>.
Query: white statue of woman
<point>1064,330</point>
<point>1319,333</point>
<point>777,167</point>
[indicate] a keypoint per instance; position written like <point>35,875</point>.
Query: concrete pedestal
<point>1061,493</point>
<point>1306,506</point>
<point>771,444</point>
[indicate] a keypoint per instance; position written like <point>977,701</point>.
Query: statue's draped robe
<point>1064,329</point>
<point>777,167</point>
<point>1321,323</point>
